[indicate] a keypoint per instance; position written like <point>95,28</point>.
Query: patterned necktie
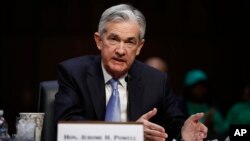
<point>113,112</point>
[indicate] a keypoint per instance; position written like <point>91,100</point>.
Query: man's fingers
<point>196,117</point>
<point>149,114</point>
<point>152,131</point>
<point>155,133</point>
<point>203,130</point>
<point>152,138</point>
<point>154,126</point>
<point>203,135</point>
<point>147,124</point>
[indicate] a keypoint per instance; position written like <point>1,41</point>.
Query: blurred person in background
<point>197,98</point>
<point>239,113</point>
<point>157,63</point>
<point>161,65</point>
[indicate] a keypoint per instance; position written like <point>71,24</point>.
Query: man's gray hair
<point>122,12</point>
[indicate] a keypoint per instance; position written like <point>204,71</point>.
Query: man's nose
<point>121,49</point>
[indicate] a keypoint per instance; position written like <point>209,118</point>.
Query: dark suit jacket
<point>81,94</point>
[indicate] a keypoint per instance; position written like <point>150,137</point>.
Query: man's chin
<point>118,71</point>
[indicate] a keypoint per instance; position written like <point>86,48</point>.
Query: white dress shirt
<point>123,94</point>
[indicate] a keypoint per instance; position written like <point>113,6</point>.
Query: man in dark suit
<point>143,92</point>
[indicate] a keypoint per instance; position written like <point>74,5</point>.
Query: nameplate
<point>100,131</point>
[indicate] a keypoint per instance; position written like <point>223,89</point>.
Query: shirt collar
<point>107,77</point>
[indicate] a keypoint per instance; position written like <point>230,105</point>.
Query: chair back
<point>47,92</point>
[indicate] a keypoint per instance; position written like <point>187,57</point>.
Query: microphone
<point>127,78</point>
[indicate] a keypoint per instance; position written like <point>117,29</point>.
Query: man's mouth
<point>119,59</point>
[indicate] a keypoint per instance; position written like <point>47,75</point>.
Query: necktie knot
<point>114,84</point>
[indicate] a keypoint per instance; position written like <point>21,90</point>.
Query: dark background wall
<point>188,34</point>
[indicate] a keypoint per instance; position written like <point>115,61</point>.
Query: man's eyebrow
<point>131,38</point>
<point>113,35</point>
<point>117,36</point>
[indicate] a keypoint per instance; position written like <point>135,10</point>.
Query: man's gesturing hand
<point>152,131</point>
<point>193,130</point>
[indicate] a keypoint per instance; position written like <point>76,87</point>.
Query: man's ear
<point>98,40</point>
<point>140,47</point>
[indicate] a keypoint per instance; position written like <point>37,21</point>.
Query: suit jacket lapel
<point>96,87</point>
<point>135,93</point>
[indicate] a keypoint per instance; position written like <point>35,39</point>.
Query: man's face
<point>119,46</point>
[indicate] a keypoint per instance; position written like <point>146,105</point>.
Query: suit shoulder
<point>82,61</point>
